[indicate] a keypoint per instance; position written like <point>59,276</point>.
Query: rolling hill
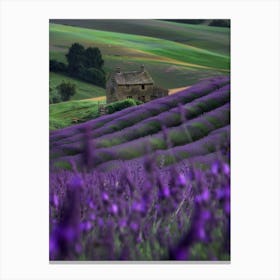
<point>206,37</point>
<point>83,90</point>
<point>152,181</point>
<point>175,54</point>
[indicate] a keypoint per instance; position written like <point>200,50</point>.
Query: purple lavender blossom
<point>147,183</point>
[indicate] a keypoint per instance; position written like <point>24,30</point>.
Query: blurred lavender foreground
<point>145,183</point>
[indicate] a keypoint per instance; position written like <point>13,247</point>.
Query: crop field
<point>175,54</point>
<point>150,182</point>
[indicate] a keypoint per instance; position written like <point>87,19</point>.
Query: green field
<point>175,54</point>
<point>211,38</point>
<point>68,113</point>
<point>84,90</point>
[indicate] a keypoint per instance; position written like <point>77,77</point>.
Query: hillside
<point>206,37</point>
<point>176,55</point>
<point>83,90</point>
<point>159,128</point>
<point>64,114</point>
<point>149,181</point>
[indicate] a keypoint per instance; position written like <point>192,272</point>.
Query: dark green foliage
<point>120,105</point>
<point>138,102</point>
<point>56,66</point>
<point>54,97</point>
<point>79,57</point>
<point>220,22</point>
<point>214,22</point>
<point>76,58</point>
<point>93,58</point>
<point>66,90</point>
<point>189,21</point>
<point>92,75</point>
<point>86,64</point>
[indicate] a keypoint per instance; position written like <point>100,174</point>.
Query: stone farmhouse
<point>138,85</point>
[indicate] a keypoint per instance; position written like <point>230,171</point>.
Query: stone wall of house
<point>111,89</point>
<point>144,93</point>
<point>137,92</point>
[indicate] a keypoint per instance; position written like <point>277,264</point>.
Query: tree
<point>66,90</point>
<point>93,58</point>
<point>93,75</point>
<point>75,58</point>
<point>56,66</point>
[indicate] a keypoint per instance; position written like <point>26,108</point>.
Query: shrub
<point>66,90</point>
<point>120,105</point>
<point>54,97</point>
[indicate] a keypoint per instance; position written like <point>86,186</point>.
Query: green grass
<point>207,37</point>
<point>164,74</point>
<point>159,49</point>
<point>67,113</point>
<point>84,90</point>
<point>175,54</point>
<point>77,111</point>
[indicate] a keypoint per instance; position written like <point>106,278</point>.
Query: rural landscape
<point>139,119</point>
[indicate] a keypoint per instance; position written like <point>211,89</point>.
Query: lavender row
<point>201,147</point>
<point>175,136</point>
<point>200,151</point>
<point>151,125</point>
<point>146,110</point>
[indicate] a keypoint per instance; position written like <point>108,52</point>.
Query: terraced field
<point>177,127</point>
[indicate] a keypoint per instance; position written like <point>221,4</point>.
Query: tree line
<point>213,22</point>
<point>84,64</point>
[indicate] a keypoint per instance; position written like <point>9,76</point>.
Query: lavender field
<point>146,183</point>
